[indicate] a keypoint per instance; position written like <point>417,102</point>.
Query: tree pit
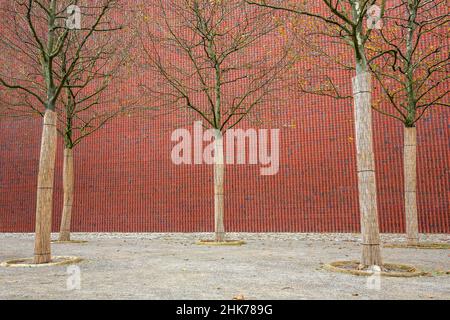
<point>28,262</point>
<point>387,270</point>
<point>221,243</point>
<point>69,241</point>
<point>425,245</point>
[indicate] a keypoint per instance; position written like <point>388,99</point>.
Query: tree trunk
<point>410,149</point>
<point>42,251</point>
<point>219,170</point>
<point>362,88</point>
<point>68,181</point>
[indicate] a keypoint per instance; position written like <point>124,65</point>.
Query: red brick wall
<point>125,180</point>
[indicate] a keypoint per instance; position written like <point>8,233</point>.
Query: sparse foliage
<point>411,64</point>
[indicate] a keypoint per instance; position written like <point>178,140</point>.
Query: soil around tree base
<point>69,242</point>
<point>28,262</point>
<point>221,243</point>
<point>387,270</point>
<point>441,246</point>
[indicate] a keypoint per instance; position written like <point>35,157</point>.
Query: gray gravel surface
<point>172,266</point>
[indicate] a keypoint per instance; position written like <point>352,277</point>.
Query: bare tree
<point>414,77</point>
<point>88,102</point>
<point>344,22</point>
<point>203,54</point>
<point>33,37</point>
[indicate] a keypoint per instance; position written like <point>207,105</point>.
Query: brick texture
<point>125,180</point>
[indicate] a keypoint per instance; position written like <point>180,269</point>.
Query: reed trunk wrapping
<point>219,170</point>
<point>362,91</point>
<point>409,152</point>
<point>68,185</point>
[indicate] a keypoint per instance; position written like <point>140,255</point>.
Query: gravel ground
<point>172,266</point>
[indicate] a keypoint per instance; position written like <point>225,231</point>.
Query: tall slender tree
<point>204,58</point>
<point>33,35</point>
<point>88,102</point>
<point>345,21</point>
<point>414,77</point>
